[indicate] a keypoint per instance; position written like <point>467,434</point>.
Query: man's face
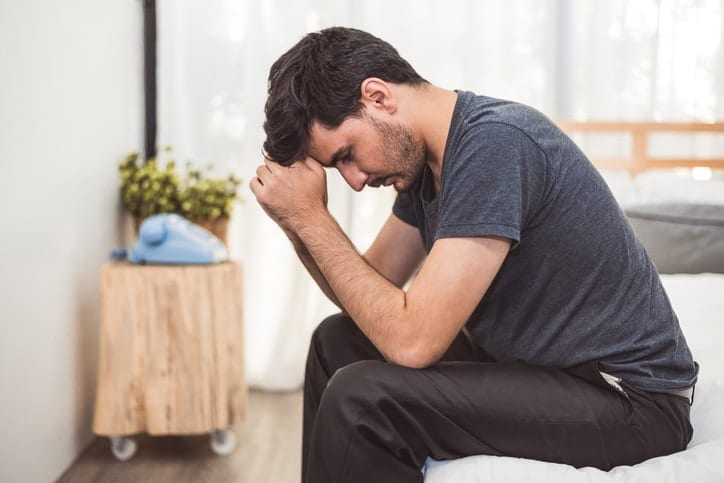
<point>369,152</point>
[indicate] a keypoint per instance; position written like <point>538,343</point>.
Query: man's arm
<point>395,254</point>
<point>412,328</point>
<point>306,258</point>
<point>416,327</point>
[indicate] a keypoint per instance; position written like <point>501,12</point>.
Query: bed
<point>680,219</point>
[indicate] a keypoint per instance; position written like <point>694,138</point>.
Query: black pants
<point>366,420</point>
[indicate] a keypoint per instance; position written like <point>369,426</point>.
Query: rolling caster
<point>223,442</point>
<point>123,448</point>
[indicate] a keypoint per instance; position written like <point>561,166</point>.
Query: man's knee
<point>338,342</point>
<point>333,327</point>
<point>358,386</point>
<point>336,332</point>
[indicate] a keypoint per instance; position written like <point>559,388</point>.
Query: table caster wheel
<point>123,448</point>
<point>223,442</point>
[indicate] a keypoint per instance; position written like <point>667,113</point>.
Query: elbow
<point>414,357</point>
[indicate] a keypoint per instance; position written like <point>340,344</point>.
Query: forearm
<point>376,305</point>
<point>295,197</point>
<point>412,328</point>
<point>311,266</point>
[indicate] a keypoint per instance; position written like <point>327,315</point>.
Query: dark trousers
<point>368,420</point>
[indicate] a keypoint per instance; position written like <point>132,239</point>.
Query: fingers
<point>313,164</point>
<point>255,185</point>
<point>263,171</point>
<point>270,172</point>
<point>266,170</point>
<point>269,165</point>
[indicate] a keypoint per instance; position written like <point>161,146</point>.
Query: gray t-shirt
<point>577,285</point>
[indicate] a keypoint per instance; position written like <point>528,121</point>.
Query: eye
<point>343,157</point>
<point>346,158</point>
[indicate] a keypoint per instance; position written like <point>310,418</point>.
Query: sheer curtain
<point>634,59</point>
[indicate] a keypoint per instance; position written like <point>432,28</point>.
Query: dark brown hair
<point>319,80</point>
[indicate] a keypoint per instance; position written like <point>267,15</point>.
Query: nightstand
<point>171,353</point>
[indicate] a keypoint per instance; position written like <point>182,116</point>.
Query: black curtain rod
<point>149,74</point>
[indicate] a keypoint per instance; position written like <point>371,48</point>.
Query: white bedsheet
<point>699,303</point>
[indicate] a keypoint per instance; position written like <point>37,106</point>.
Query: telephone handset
<point>153,233</point>
<point>171,239</point>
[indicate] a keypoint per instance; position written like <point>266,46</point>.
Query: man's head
<point>319,83</point>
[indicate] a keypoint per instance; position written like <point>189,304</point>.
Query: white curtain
<point>615,59</point>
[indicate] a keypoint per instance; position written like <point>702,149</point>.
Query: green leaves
<point>147,190</point>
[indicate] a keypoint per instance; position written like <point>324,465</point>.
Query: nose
<point>354,177</point>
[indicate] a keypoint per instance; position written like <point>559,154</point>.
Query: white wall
<point>71,104</point>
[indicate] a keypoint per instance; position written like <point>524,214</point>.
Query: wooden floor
<point>268,450</point>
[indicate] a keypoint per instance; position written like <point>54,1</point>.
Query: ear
<point>378,94</point>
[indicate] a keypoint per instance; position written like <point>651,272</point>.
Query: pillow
<point>681,237</point>
<point>664,186</point>
<point>675,186</point>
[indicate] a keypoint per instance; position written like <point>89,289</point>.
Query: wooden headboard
<point>639,159</point>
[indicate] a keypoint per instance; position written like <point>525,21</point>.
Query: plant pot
<point>218,227</point>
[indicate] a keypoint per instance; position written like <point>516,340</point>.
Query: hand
<point>290,195</point>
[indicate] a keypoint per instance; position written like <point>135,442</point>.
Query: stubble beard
<point>405,155</point>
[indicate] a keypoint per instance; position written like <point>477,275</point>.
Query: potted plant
<point>148,188</point>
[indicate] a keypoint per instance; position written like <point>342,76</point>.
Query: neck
<point>432,115</point>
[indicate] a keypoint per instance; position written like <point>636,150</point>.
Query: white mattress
<point>699,302</point>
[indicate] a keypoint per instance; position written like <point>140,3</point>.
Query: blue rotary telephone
<point>172,239</point>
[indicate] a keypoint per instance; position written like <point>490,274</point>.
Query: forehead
<point>324,142</point>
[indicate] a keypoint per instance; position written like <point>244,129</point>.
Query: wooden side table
<point>171,353</point>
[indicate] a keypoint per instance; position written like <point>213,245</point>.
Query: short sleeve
<point>491,183</point>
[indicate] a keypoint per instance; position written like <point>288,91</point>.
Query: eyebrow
<point>338,154</point>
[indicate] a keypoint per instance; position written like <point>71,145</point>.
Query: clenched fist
<point>290,194</point>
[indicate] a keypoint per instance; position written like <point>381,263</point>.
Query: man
<point>536,325</point>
